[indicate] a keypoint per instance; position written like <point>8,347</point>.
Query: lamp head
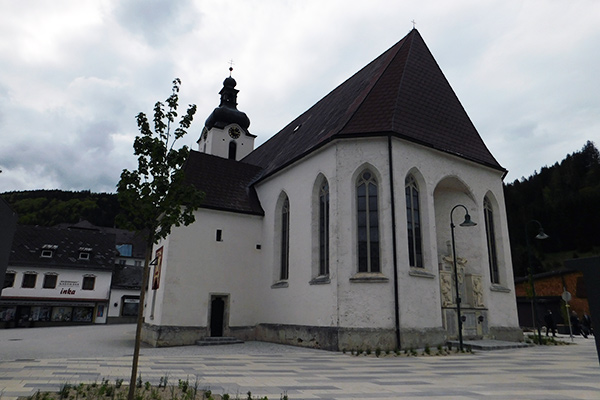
<point>467,221</point>
<point>541,235</point>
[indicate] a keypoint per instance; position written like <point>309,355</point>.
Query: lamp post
<point>540,236</point>
<point>466,222</point>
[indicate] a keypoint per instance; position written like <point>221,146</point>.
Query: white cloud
<point>74,74</point>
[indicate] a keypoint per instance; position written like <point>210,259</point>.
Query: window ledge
<point>320,280</point>
<point>420,273</point>
<point>499,288</point>
<point>369,277</point>
<point>280,284</point>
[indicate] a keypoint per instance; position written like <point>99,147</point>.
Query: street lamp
<point>466,222</point>
<point>540,236</point>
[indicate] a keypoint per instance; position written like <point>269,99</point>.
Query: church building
<point>336,232</point>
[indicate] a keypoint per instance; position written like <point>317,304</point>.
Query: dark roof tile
<point>403,92</point>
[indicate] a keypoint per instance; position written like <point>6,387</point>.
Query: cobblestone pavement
<point>44,358</point>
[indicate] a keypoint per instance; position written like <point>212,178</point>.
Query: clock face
<point>234,132</point>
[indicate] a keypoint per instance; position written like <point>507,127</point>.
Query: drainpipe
<point>395,256</point>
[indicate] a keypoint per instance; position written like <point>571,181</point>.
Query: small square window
<point>29,280</point>
<point>88,283</point>
<point>47,253</point>
<point>84,255</point>
<point>50,281</point>
<point>9,279</point>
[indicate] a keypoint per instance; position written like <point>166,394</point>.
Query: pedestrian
<point>586,322</point>
<point>576,326</point>
<point>550,324</point>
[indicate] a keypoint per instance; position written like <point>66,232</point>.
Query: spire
<point>227,112</point>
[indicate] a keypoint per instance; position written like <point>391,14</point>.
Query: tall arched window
<point>491,240</point>
<point>413,223</point>
<point>232,150</point>
<point>285,240</point>
<point>324,228</point>
<point>368,223</point>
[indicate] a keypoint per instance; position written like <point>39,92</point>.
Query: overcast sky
<point>73,74</point>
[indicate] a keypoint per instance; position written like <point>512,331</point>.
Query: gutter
<point>395,256</point>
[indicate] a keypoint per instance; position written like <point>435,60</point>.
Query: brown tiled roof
<point>403,92</point>
<point>29,241</point>
<point>226,183</point>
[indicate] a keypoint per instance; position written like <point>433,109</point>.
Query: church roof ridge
<point>402,92</point>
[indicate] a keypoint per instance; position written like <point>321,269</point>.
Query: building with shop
<point>335,233</point>
<point>127,273</point>
<point>57,276</point>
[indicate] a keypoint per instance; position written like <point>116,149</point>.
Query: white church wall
<point>365,300</point>
<point>196,266</point>
<point>296,301</point>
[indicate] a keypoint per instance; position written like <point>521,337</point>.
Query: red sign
<point>156,276</point>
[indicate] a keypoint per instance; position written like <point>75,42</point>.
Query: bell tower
<point>225,133</point>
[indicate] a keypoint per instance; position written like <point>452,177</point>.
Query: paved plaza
<point>45,358</point>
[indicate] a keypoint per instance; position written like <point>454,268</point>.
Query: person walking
<point>550,324</point>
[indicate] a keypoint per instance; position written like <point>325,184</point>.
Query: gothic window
<point>491,240</point>
<point>324,228</point>
<point>413,222</point>
<point>285,240</point>
<point>367,223</point>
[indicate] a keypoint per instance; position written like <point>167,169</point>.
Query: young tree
<point>155,196</point>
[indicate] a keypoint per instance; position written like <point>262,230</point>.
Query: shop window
<point>9,279</point>
<point>29,280</point>
<point>41,313</point>
<point>88,283</point>
<point>130,306</point>
<point>8,313</point>
<point>50,281</point>
<point>83,314</point>
<point>62,314</point>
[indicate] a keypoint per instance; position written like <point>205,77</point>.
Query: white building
<point>57,276</point>
<point>335,233</point>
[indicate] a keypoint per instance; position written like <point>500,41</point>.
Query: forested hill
<point>51,207</point>
<point>565,199</point>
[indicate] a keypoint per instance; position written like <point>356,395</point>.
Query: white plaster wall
<point>115,298</point>
<point>363,304</point>
<point>67,279</point>
<point>299,303</point>
<point>195,266</point>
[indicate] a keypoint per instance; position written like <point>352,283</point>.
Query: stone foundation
<point>326,338</point>
<point>506,333</point>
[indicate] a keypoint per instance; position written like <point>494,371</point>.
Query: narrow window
<point>413,222</point>
<point>29,280</point>
<point>285,240</point>
<point>9,279</point>
<point>232,150</point>
<point>491,240</point>
<point>50,281</point>
<point>324,228</point>
<point>219,235</point>
<point>368,223</point>
<point>88,283</point>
